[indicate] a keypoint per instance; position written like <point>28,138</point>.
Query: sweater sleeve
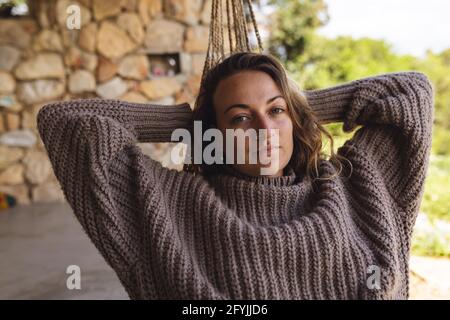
<point>91,145</point>
<point>392,146</point>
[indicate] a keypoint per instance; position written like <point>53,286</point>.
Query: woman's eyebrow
<point>273,98</point>
<point>245,106</point>
<point>237,105</point>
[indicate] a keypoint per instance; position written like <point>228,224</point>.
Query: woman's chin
<point>271,171</point>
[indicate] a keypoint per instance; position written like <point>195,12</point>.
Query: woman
<point>310,230</point>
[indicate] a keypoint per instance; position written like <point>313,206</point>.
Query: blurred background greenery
<point>315,61</point>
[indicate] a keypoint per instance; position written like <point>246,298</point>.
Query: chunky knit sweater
<point>174,235</point>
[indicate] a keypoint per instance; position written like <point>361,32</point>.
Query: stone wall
<point>110,56</point>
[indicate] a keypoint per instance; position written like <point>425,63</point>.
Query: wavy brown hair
<point>307,131</point>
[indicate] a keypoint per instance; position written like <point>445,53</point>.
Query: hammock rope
<point>236,20</point>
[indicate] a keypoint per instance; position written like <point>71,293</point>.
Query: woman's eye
<point>277,110</point>
<point>239,119</point>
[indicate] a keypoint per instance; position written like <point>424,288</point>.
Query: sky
<point>411,26</point>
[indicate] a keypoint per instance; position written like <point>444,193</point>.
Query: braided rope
<point>237,22</point>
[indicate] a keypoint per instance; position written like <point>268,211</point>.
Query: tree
<point>332,61</point>
<point>294,25</point>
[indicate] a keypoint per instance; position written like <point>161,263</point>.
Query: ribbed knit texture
<point>173,235</point>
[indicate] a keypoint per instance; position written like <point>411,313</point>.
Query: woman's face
<point>251,100</point>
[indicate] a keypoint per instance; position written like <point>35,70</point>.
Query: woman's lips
<point>269,150</point>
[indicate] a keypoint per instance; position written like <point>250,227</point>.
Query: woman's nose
<point>266,130</point>
<point>264,123</point>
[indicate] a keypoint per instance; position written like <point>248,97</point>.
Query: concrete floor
<point>38,243</point>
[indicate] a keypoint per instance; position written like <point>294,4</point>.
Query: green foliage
<point>295,23</point>
<point>441,138</point>
<point>330,62</point>
<point>433,243</point>
<point>436,199</point>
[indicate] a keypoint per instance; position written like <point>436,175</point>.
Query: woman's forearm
<point>391,98</point>
<point>148,122</point>
<point>329,104</point>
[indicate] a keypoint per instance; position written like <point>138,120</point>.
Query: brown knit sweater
<point>173,235</point>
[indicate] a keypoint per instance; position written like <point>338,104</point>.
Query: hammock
<point>237,28</point>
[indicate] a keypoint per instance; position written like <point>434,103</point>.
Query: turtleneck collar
<point>287,179</point>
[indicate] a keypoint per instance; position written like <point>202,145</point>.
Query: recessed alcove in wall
<point>164,65</point>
